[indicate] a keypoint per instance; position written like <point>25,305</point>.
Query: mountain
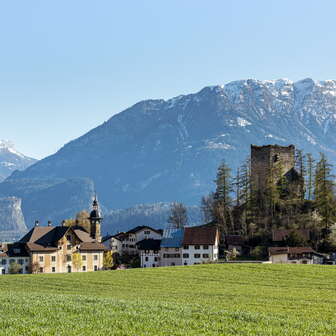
<point>11,159</point>
<point>154,215</point>
<point>12,224</point>
<point>167,150</point>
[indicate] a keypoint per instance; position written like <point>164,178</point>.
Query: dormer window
<point>275,158</point>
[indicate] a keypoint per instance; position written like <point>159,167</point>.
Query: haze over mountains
<point>167,150</point>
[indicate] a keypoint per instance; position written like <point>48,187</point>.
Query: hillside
<point>194,300</point>
<point>167,150</point>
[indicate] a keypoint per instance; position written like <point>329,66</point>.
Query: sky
<point>68,66</point>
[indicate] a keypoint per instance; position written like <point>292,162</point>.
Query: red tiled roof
<point>290,250</point>
<point>200,235</point>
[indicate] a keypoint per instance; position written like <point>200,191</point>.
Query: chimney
<point>63,223</point>
<point>37,223</point>
<point>49,223</point>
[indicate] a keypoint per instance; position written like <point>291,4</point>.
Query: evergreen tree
<point>324,192</point>
<point>223,200</point>
<point>310,176</point>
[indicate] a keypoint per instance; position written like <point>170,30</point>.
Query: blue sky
<point>67,66</point>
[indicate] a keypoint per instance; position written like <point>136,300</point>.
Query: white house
<point>171,247</point>
<point>149,252</point>
<point>113,242</point>
<point>200,245</point>
<point>15,253</point>
<point>294,255</point>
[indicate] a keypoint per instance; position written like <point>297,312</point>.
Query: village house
<point>235,242</point>
<point>58,249</point>
<point>126,242</point>
<point>294,255</point>
<point>200,245</point>
<point>171,247</point>
<point>149,252</point>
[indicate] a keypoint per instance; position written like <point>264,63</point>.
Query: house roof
<point>290,250</point>
<point>15,250</point>
<point>172,237</point>
<point>280,235</point>
<point>45,238</point>
<point>143,227</point>
<point>200,235</point>
<point>234,240</point>
<point>149,244</point>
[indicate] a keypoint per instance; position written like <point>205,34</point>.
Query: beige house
<point>58,249</point>
<point>294,255</point>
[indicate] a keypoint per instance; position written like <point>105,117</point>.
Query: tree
<point>35,267</point>
<point>77,261</point>
<point>310,176</point>
<point>108,260</point>
<point>223,200</point>
<point>324,192</point>
<point>178,215</point>
<point>207,208</point>
<point>14,268</point>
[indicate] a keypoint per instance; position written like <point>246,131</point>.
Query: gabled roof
<point>234,240</point>
<point>200,235</point>
<point>172,237</point>
<point>92,246</point>
<point>149,244</point>
<point>143,227</point>
<point>15,250</point>
<point>35,233</point>
<point>290,250</point>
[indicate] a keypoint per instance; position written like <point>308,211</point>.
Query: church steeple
<point>95,220</point>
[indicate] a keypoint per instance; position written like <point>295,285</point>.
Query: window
<point>41,269</point>
<point>95,257</point>
<point>176,249</point>
<point>205,247</point>
<point>11,261</point>
<point>27,268</point>
<point>95,267</point>
<point>147,232</point>
<point>146,259</point>
<point>3,271</point>
<point>84,258</point>
<point>20,261</point>
<point>84,268</point>
<point>197,255</point>
<point>53,258</point>
<point>205,255</point>
<point>53,269</point>
<point>16,250</point>
<point>41,258</point>
<point>185,255</point>
<point>69,247</point>
<point>197,247</point>
<point>4,262</point>
<point>68,237</point>
<point>186,247</point>
<point>68,257</point>
<point>156,259</point>
<point>156,252</point>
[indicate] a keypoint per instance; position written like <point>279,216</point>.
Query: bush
<point>14,268</point>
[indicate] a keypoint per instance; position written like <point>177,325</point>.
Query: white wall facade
<point>147,234</point>
<point>6,261</point>
<point>170,256</point>
<point>198,254</point>
<point>150,258</point>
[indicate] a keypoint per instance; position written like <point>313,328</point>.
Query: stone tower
<point>264,158</point>
<point>95,221</point>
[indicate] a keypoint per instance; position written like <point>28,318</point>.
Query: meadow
<point>226,299</point>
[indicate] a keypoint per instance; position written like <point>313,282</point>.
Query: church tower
<point>95,221</point>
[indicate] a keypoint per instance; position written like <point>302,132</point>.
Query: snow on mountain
<point>11,159</point>
<point>167,150</point>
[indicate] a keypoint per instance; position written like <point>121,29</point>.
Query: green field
<point>223,299</point>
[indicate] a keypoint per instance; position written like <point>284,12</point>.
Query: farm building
<point>294,255</point>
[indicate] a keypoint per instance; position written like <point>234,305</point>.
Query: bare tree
<point>178,215</point>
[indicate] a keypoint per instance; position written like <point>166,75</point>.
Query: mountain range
<point>11,159</point>
<point>169,150</point>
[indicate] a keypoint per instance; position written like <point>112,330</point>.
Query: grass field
<point>197,300</point>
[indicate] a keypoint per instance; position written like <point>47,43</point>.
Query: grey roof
<point>172,237</point>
